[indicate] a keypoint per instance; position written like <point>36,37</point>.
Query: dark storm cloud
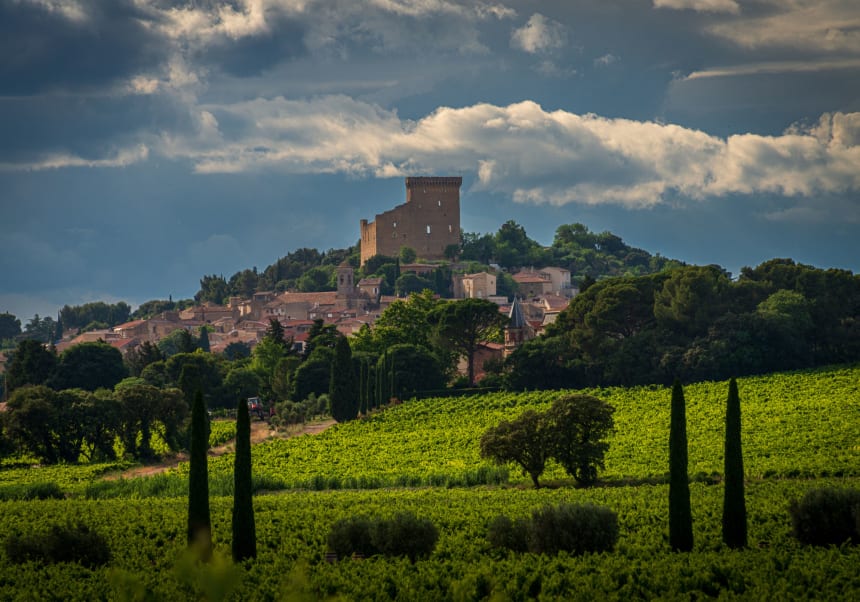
<point>45,50</point>
<point>252,55</point>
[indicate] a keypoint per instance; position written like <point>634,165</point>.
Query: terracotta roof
<point>528,278</point>
<point>369,281</point>
<point>122,343</point>
<point>129,325</point>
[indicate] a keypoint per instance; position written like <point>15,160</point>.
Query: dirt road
<point>260,431</point>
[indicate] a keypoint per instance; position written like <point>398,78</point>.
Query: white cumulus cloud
<point>539,35</point>
<point>529,153</point>
<point>709,6</point>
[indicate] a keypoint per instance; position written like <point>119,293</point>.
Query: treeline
<point>586,254</point>
<point>695,323</point>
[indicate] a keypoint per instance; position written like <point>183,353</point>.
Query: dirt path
<point>260,431</point>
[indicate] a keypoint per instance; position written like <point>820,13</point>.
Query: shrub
<point>573,528</point>
<point>827,517</point>
<point>62,543</point>
<point>403,535</point>
<point>352,535</point>
<point>509,534</point>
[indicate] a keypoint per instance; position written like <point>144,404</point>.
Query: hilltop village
<point>429,223</point>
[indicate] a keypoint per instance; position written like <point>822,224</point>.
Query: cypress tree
<point>203,343</point>
<point>244,529</point>
<point>680,514</point>
<point>199,523</point>
<point>734,505</point>
<point>343,395</point>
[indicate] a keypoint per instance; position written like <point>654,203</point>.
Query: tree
<point>203,341</point>
<point>465,323</point>
<point>321,335</point>
<point>522,441</point>
<point>41,329</point>
<point>199,533</point>
<point>237,350</point>
<point>275,333</point>
<point>242,383</point>
<point>213,289</point>
<point>10,326</point>
<point>32,364</point>
<point>343,390</point>
<point>244,544</point>
<point>680,515</point>
<point>413,368</point>
<point>579,425</point>
<point>408,255</point>
<point>142,405</point>
<point>185,342</point>
<point>31,419</point>
<point>138,358</point>
<point>89,366</point>
<point>734,504</point>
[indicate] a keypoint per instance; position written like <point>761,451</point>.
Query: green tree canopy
<point>31,364</point>
<point>464,324</point>
<point>89,366</point>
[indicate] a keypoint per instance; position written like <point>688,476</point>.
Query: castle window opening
<point>428,228</point>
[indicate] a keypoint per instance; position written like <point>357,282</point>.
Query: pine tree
<point>203,343</point>
<point>244,529</point>
<point>680,514</point>
<point>734,505</point>
<point>343,395</point>
<point>199,522</point>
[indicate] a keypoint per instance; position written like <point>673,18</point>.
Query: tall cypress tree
<point>199,522</point>
<point>244,528</point>
<point>203,343</point>
<point>734,504</point>
<point>343,394</point>
<point>680,514</point>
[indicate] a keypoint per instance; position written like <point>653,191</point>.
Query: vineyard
<point>800,431</point>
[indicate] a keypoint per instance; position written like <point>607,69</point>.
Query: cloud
<point>806,66</point>
<point>605,60</point>
<point>539,35</point>
<point>531,154</point>
<point>122,158</point>
<point>831,26</point>
<point>708,6</point>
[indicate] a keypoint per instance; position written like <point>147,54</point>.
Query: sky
<point>146,143</point>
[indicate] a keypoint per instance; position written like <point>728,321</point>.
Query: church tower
<point>345,280</point>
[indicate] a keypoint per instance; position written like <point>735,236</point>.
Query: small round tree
<point>578,426</point>
<point>522,441</point>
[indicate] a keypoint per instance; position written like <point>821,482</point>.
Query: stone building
<point>428,222</point>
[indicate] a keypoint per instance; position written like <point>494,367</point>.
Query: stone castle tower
<point>428,222</point>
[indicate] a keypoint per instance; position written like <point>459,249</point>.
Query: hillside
<point>800,424</point>
<point>794,424</point>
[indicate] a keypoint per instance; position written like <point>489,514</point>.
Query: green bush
<point>827,517</point>
<point>402,535</point>
<point>352,535</point>
<point>405,535</point>
<point>573,528</point>
<point>62,543</point>
<point>509,534</point>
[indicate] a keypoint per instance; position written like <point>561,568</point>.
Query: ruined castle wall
<point>428,222</point>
